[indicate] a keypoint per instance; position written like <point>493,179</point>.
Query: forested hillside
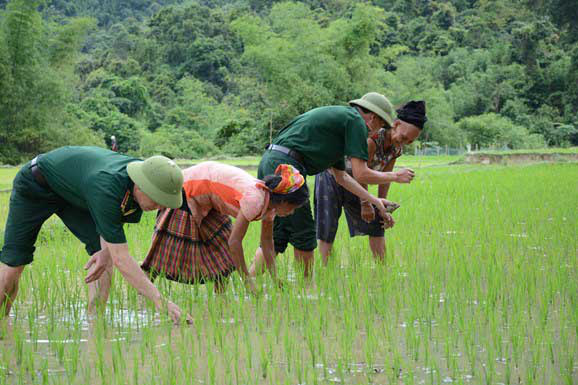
<point>196,78</point>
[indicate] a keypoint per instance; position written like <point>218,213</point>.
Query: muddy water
<point>261,343</point>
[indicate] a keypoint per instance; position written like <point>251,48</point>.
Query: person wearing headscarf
<point>198,242</point>
<point>319,140</point>
<point>385,145</point>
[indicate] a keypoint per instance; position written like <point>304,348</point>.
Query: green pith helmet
<point>160,179</point>
<point>377,103</point>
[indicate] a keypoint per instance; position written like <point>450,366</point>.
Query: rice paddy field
<point>479,286</point>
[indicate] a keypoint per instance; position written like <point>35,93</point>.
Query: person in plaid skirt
<point>198,242</point>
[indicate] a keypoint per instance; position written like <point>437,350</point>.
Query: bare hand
<point>387,221</point>
<point>97,265</point>
<point>384,206</point>
<point>390,206</point>
<point>367,212</point>
<point>175,313</point>
<point>405,175</point>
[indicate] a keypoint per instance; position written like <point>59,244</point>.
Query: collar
<point>387,137</point>
<point>128,205</point>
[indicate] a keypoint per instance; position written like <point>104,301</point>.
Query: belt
<point>287,151</point>
<point>36,174</point>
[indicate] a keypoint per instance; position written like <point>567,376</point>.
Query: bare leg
<point>258,266</point>
<point>306,259</point>
<point>9,277</point>
<point>301,256</point>
<point>325,250</point>
<point>377,245</point>
<point>99,290</point>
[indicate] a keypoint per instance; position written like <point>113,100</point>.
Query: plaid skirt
<point>184,252</point>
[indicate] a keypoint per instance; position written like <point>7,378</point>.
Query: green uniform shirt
<point>96,180</point>
<point>324,136</point>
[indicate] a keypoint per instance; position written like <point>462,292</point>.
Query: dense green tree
<point>494,130</point>
<point>197,77</point>
<point>293,62</point>
<point>35,74</point>
<point>194,40</point>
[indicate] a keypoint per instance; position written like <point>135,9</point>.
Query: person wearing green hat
<point>385,146</point>
<point>94,191</point>
<point>318,140</point>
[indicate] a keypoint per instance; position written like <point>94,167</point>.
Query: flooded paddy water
<point>479,287</point>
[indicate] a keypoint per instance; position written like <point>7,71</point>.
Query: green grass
<point>7,174</point>
<point>243,161</point>
<point>405,161</point>
<point>479,287</point>
<point>418,161</point>
<point>569,150</point>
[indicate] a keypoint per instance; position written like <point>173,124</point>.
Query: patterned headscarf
<point>291,179</point>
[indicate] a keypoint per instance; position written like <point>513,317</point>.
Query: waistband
<point>37,174</point>
<point>287,151</point>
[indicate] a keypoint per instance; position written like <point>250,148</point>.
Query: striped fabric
<point>185,253</point>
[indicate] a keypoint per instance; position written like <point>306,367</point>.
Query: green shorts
<point>298,228</point>
<point>30,206</point>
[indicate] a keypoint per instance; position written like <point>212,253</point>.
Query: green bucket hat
<point>378,104</point>
<point>160,179</point>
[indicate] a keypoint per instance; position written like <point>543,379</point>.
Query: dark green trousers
<point>30,206</point>
<point>298,228</point>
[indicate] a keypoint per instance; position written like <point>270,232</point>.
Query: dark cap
<point>413,112</point>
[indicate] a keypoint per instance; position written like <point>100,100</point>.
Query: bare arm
<point>352,185</point>
<point>132,272</point>
<point>267,245</point>
<point>236,244</point>
<point>134,275</point>
<point>371,153</point>
<point>355,188</point>
<point>364,174</point>
<point>383,189</point>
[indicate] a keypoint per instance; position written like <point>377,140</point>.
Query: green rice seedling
<point>135,368</point>
<point>236,352</point>
<point>488,368</point>
<point>508,373</point>
<point>478,286</point>
<point>370,346</point>
<point>248,347</point>
<point>264,362</point>
<point>211,366</point>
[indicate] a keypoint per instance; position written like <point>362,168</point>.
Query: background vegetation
<point>198,78</point>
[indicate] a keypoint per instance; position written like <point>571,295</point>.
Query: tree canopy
<point>197,78</point>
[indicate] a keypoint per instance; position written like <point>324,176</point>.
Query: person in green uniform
<point>320,139</point>
<point>384,147</point>
<point>94,191</point>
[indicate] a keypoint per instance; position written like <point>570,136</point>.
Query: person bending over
<point>197,242</point>
<point>384,147</point>
<point>94,192</point>
<point>319,140</point>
